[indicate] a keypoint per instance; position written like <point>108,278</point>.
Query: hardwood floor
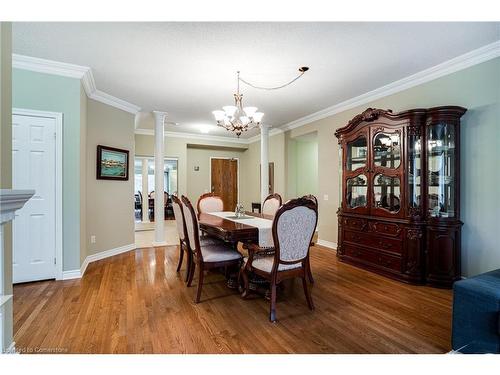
<point>136,303</point>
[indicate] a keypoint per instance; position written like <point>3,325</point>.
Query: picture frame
<point>112,163</point>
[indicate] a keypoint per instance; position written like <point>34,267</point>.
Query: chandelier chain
<point>301,70</point>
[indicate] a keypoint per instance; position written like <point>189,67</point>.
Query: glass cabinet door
<point>415,173</point>
<point>387,150</point>
<point>387,172</point>
<point>356,179</point>
<point>357,153</point>
<point>387,192</point>
<point>357,191</point>
<point>441,165</point>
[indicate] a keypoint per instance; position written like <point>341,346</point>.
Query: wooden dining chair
<point>182,232</point>
<point>271,204</point>
<point>293,228</point>
<point>209,202</point>
<point>312,197</point>
<point>205,255</point>
<point>309,271</point>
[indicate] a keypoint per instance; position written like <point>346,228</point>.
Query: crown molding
<point>201,137</point>
<point>205,137</point>
<point>83,73</point>
<point>36,64</point>
<point>113,101</point>
<point>474,57</point>
<point>272,132</point>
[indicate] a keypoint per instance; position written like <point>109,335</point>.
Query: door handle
<point>213,189</point>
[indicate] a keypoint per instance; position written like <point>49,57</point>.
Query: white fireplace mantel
<point>10,202</point>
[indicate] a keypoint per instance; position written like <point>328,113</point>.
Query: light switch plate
<point>325,197</point>
<point>92,239</point>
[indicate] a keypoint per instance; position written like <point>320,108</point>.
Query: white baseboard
<point>75,274</point>
<point>71,274</point>
<point>159,244</point>
<point>11,349</point>
<point>330,245</point>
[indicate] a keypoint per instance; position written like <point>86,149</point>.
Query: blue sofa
<point>476,314</point>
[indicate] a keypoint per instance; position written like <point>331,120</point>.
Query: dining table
<point>226,227</point>
<point>252,229</point>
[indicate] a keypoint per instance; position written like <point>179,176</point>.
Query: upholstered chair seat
<point>208,241</point>
<point>218,253</point>
<point>266,264</point>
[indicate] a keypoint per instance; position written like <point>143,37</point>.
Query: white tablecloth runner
<point>265,226</point>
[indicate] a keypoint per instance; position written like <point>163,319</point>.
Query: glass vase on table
<point>239,211</point>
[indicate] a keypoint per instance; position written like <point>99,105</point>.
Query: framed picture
<point>112,163</point>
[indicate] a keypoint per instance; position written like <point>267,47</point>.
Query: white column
<point>159,179</point>
<point>145,190</point>
<point>264,162</point>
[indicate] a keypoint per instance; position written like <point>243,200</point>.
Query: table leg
<point>233,279</point>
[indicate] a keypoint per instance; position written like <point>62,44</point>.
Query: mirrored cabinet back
<point>399,213</point>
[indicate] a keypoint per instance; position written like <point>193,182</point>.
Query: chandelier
<point>235,118</point>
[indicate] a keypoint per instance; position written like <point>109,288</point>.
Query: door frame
<point>58,117</point>
<point>153,158</point>
<point>237,172</point>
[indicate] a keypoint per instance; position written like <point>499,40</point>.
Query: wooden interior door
<point>224,179</point>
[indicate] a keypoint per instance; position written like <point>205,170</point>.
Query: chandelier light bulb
<point>230,110</point>
<point>244,120</point>
<point>257,117</point>
<point>250,111</point>
<point>219,115</point>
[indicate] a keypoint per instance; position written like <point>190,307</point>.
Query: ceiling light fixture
<point>205,129</point>
<point>237,118</point>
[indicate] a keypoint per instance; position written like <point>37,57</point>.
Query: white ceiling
<point>188,69</point>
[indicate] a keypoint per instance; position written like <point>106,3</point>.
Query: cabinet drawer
<point>378,242</point>
<point>354,223</point>
<point>374,257</point>
<point>385,228</point>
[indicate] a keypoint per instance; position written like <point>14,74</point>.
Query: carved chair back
<point>293,229</point>
<point>271,204</point>
<point>179,218</point>
<point>192,226</point>
<point>312,197</point>
<point>209,202</point>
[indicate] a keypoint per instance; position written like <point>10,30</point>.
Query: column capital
<point>264,126</point>
<point>160,115</point>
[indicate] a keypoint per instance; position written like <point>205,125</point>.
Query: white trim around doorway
<point>58,117</point>
<point>237,174</point>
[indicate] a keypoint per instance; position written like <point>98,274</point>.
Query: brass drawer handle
<point>384,245</point>
<point>385,262</point>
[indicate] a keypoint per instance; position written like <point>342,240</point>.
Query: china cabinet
<point>399,213</point>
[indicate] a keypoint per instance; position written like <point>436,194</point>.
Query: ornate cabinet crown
<point>399,212</point>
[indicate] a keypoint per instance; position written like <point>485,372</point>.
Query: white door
<point>34,228</point>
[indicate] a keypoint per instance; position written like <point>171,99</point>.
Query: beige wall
<point>199,181</point>
<point>251,163</point>
<point>307,167</point>
<point>109,208</point>
<point>6,164</point>
<point>476,88</point>
<point>177,147</point>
